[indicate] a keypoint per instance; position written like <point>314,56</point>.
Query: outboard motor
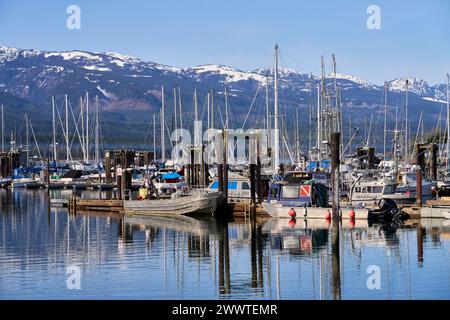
<point>387,204</point>
<point>387,211</point>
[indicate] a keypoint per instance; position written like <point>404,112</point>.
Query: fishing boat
<point>294,196</point>
<point>368,192</point>
<point>193,201</point>
<point>407,182</point>
<point>169,183</point>
<point>238,187</point>
<point>5,182</point>
<point>27,183</point>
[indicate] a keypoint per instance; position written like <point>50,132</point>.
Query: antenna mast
<point>276,162</point>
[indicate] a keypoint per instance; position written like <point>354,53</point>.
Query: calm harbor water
<point>45,254</point>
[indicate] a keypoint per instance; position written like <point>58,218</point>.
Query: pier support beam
<point>433,162</point>
<point>107,167</point>
<point>252,183</point>
<point>335,162</point>
<point>419,187</point>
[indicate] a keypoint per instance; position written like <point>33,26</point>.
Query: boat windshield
<point>232,185</point>
<point>290,192</point>
<point>389,189</point>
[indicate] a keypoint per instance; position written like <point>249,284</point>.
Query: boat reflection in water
<point>204,258</point>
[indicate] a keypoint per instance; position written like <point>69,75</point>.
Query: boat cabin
<point>309,193</point>
<point>238,187</point>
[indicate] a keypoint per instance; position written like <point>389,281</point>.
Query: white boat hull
<point>197,203</point>
<point>277,210</point>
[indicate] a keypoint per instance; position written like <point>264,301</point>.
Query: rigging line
<point>251,106</point>
<point>220,114</point>
<point>60,121</point>
<point>76,127</point>
<point>168,133</point>
<point>35,141</point>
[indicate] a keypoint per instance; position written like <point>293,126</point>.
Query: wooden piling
<point>252,183</point>
<point>107,167</point>
<point>220,177</point>
<point>335,162</point>
<point>119,186</point>
<point>225,168</point>
<point>47,178</point>
<point>192,168</point>
<point>433,162</point>
<point>419,187</point>
<point>258,180</point>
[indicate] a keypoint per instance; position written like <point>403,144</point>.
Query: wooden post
<point>335,161</point>
<point>419,187</point>
<point>225,168</point>
<point>107,167</point>
<point>48,175</point>
<point>220,177</point>
<point>205,168</point>
<point>252,183</point>
<point>119,186</point>
<point>193,167</point>
<point>433,162</point>
<point>258,172</point>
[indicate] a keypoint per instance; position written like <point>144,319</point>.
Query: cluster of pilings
<point>196,171</point>
<point>8,162</point>
<point>122,161</point>
<point>366,157</point>
<point>421,150</point>
<point>430,166</point>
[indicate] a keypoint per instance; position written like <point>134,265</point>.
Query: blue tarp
<point>312,165</point>
<point>172,175</point>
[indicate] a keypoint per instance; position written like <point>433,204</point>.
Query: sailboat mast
<point>226,108</point>
<point>83,137</point>
<point>385,123</point>
<point>27,140</point>
<point>175,107</point>
<point>154,137</point>
<point>163,150</point>
<point>268,113</point>
<point>276,162</point>
<point>97,148</point>
<point>3,131</point>
<point>212,109</point>
<point>196,124</point>
<point>448,124</point>
<point>67,129</point>
<point>336,93</point>
<point>318,122</point>
<point>208,109</point>
<point>297,137</point>
<point>87,127</point>
<point>54,130</point>
<point>406,122</point>
<point>180,108</point>
<point>310,112</point>
<point>396,142</point>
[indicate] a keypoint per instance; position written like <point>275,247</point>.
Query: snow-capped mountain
<point>123,82</point>
<point>415,85</point>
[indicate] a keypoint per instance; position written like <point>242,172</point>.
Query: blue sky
<point>414,39</point>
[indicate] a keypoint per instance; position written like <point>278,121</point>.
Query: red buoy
<point>328,221</point>
<point>328,215</point>
<point>352,214</point>
<point>292,222</point>
<point>292,213</point>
